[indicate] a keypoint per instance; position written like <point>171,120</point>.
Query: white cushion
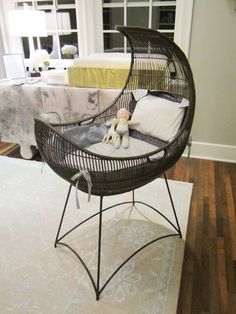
<point>136,148</point>
<point>158,117</point>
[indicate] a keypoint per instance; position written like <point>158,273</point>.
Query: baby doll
<point>118,134</point>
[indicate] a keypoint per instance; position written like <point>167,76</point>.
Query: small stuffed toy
<point>111,137</point>
<point>118,134</point>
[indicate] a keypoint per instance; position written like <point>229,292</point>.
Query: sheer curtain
<point>10,44</point>
<point>2,46</point>
<point>1,52</point>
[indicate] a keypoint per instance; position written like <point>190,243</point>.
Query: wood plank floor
<point>8,149</point>
<point>208,283</point>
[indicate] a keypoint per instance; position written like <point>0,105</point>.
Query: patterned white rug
<point>37,278</point>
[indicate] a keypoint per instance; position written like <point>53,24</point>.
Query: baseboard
<point>226,153</point>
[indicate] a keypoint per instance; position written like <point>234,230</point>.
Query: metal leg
<point>62,216</point>
<point>97,286</point>
<point>99,250</point>
<point>133,197</point>
<point>173,207</point>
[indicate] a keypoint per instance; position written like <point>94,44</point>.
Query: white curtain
<point>90,26</point>
<point>10,44</point>
<point>1,52</point>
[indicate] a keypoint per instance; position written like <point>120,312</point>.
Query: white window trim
<point>183,23</point>
<point>90,26</point>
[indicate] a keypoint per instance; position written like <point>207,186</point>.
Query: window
<point>159,15</point>
<point>61,26</point>
<point>89,25</point>
<point>172,18</point>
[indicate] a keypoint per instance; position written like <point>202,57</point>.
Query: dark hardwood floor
<point>208,283</point>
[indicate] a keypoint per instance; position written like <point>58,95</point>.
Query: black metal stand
<point>98,290</point>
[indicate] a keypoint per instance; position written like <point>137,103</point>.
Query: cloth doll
<point>118,134</point>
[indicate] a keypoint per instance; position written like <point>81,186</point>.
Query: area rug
<point>37,278</point>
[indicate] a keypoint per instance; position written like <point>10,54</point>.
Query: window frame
<point>183,18</point>
<point>89,17</point>
<point>53,8</point>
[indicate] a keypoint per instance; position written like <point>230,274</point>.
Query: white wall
<point>213,60</point>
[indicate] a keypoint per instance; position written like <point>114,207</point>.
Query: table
<point>20,104</point>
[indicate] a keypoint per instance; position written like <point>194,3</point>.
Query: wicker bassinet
<point>157,64</point>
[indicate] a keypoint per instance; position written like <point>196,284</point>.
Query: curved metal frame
<point>115,175</point>
<point>98,290</point>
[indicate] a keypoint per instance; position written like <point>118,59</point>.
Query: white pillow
<point>158,117</point>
